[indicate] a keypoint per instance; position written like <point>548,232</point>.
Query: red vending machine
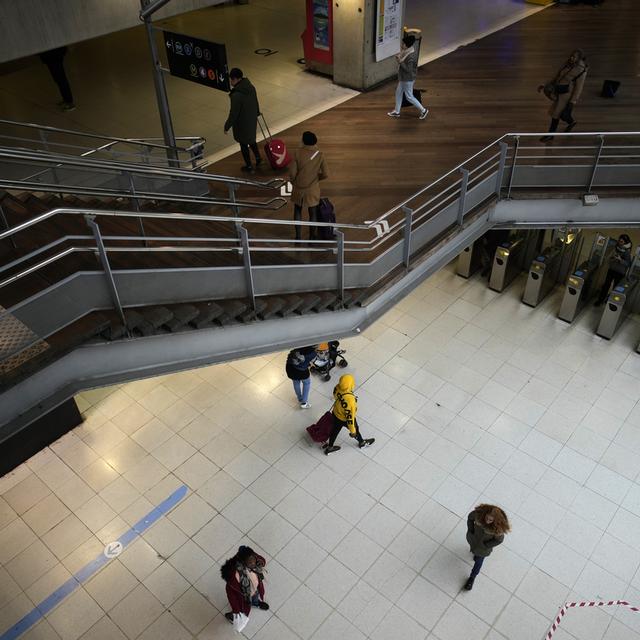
<point>317,39</point>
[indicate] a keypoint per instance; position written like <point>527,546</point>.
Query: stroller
<point>329,355</point>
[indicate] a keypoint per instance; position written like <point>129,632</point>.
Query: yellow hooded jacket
<point>345,406</point>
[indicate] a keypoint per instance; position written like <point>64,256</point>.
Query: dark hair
<point>229,567</point>
<point>309,138</point>
<point>235,73</point>
<point>409,39</point>
<point>625,237</point>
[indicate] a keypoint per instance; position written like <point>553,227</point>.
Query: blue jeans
<point>477,564</point>
<point>406,88</point>
<point>302,388</point>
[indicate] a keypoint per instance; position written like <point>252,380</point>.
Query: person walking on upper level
<point>306,170</point>
<point>619,264</point>
<point>243,116</point>
<point>345,408</point>
<point>54,59</point>
<point>564,90</point>
<point>486,528</point>
<point>407,72</point>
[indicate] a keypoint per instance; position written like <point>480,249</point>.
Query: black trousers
<point>313,217</point>
<point>337,427</point>
<point>56,69</point>
<point>245,152</point>
<point>611,280</point>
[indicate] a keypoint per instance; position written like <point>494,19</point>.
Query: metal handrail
<point>132,168</point>
<point>96,136</point>
<point>442,198</point>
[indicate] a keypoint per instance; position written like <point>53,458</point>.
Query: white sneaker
<point>423,115</point>
<point>393,114</point>
<point>305,405</point>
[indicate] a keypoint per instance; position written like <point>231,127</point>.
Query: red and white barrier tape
<point>586,603</point>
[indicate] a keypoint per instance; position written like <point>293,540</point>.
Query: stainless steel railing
<point>506,168</point>
<point>150,151</point>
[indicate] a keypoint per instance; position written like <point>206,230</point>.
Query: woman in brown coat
<point>486,528</point>
<point>307,168</point>
<point>565,90</point>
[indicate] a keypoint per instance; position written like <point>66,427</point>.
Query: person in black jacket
<point>54,59</point>
<point>486,528</point>
<point>619,264</point>
<point>243,116</point>
<point>298,364</point>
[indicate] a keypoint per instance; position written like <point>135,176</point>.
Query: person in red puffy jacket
<point>244,575</point>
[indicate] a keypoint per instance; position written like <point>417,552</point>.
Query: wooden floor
<point>475,95</point>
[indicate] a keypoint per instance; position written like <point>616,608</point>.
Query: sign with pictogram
<point>197,60</point>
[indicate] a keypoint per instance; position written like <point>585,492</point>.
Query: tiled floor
<point>471,397</point>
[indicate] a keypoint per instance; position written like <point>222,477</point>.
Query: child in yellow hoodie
<point>344,411</point>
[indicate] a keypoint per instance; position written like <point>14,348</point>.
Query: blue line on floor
<point>90,569</point>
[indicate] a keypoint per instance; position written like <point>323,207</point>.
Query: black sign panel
<point>197,60</point>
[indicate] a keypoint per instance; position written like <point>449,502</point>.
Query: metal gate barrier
<point>470,260</point>
<point>620,302</point>
<point>553,265</point>
<point>584,281</point>
<point>511,256</point>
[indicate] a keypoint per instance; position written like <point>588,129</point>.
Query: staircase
<point>94,279</point>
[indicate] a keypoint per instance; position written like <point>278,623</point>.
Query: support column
<point>354,41</point>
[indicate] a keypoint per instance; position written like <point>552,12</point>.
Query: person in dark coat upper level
<point>243,116</point>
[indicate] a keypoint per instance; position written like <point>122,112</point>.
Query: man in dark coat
<point>243,116</point>
<point>54,59</point>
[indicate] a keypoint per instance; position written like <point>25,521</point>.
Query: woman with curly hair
<point>486,528</point>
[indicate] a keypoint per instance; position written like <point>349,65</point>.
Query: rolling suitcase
<point>320,431</point>
<point>274,148</point>
<point>326,213</point>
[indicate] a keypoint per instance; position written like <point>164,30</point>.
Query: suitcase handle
<point>266,126</point>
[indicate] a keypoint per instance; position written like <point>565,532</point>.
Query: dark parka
<point>243,115</point>
<point>481,540</point>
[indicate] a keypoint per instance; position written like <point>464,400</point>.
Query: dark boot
<point>229,617</point>
<point>331,449</point>
<point>366,443</point>
<point>468,585</point>
<point>264,606</point>
<point>552,128</point>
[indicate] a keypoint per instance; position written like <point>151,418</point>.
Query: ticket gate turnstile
<point>511,256</point>
<point>585,279</point>
<point>620,302</point>
<point>551,266</point>
<point>470,260</point>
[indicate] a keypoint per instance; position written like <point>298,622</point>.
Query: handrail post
<point>246,258</point>
<point>136,203</point>
<point>45,143</point>
<point>340,264</point>
<point>504,147</point>
<point>463,194</point>
<point>3,217</point>
<point>147,9</point>
<point>513,165</point>
<point>107,267</point>
<point>406,249</point>
<point>595,164</point>
<point>232,197</point>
